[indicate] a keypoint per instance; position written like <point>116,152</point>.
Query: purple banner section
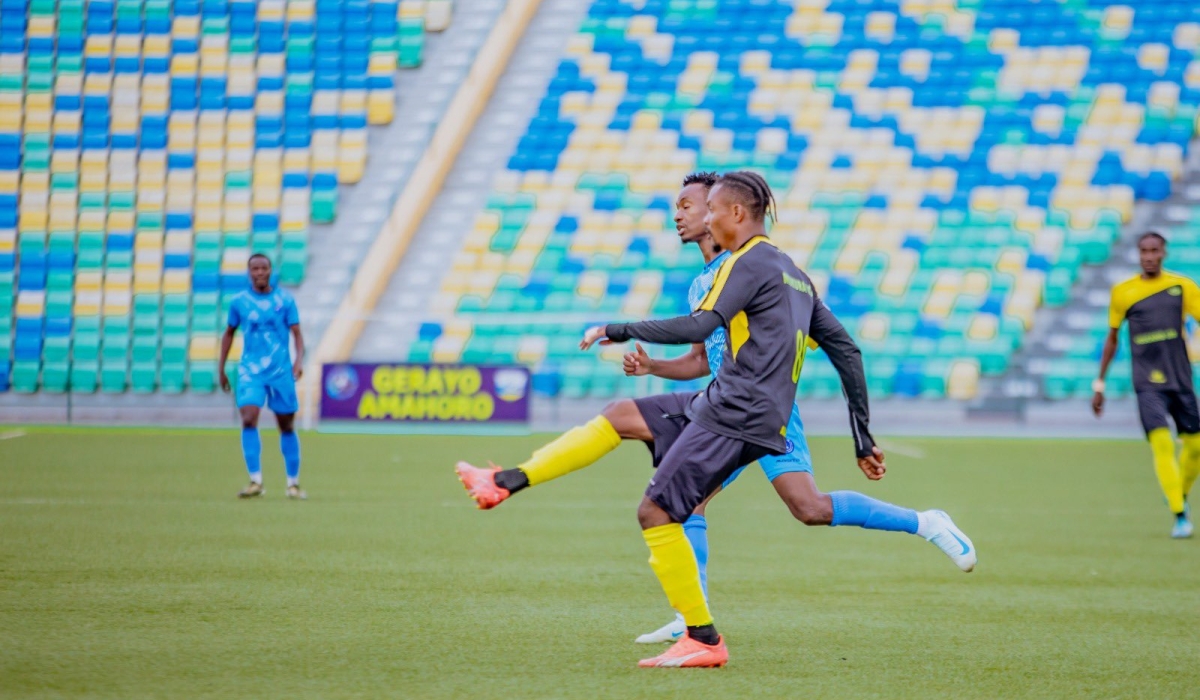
<point>419,393</point>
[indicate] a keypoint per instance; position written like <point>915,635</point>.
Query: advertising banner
<point>425,393</point>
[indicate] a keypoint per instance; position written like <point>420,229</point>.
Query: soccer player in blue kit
<point>267,373</point>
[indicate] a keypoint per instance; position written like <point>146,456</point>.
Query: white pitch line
<point>9,435</point>
<point>902,449</point>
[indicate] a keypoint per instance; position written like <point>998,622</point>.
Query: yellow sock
<point>1189,462</point>
<point>574,449</point>
<point>674,564</point>
<point>1167,468</point>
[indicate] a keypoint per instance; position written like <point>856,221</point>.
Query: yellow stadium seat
<point>963,382</point>
<point>531,349</point>
<point>30,303</point>
<point>202,348</point>
<point>381,107</point>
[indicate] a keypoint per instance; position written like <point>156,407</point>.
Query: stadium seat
<point>941,176</point>
<point>145,142</point>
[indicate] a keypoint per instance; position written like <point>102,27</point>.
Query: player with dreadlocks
<point>770,312</point>
<point>704,359</point>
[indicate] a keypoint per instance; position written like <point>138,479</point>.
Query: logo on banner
<point>341,382</point>
<point>511,384</point>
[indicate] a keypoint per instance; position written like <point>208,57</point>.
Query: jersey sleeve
<point>291,313</point>
<point>1191,299</point>
<point>846,358</point>
<point>235,317</point>
<point>673,331</point>
<point>1117,308</point>
<point>735,285</point>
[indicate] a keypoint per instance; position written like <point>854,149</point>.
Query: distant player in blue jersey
<point>800,492</point>
<point>267,373</point>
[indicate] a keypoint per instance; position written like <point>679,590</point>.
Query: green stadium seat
<point>85,375</point>
<point>25,376</point>
<point>173,377</point>
<point>202,377</point>
<point>55,376</point>
<point>144,377</point>
<point>174,348</point>
<point>145,348</point>
<point>57,349</point>
<point>114,375</point>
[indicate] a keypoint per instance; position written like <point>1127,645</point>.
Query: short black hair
<point>259,255</point>
<point>703,177</point>
<point>1152,234</point>
<point>753,191</point>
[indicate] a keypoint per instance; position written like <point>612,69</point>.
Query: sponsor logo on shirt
<point>1155,336</point>
<point>797,284</point>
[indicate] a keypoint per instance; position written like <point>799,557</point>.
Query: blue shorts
<point>278,393</point>
<point>797,458</point>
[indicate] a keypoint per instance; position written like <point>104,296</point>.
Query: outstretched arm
<point>829,333</point>
<point>735,285</point>
<point>673,331</point>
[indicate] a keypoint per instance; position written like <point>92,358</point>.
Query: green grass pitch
<point>128,569</point>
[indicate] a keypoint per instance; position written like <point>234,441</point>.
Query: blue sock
<point>696,529</point>
<point>853,508</point>
<point>289,445</point>
<point>252,450</point>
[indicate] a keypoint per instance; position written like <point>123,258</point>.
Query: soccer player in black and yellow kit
<point>1155,304</point>
<point>770,310</point>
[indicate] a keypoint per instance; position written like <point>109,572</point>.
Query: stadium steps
<point>1061,353</point>
<point>338,248</point>
<point>415,282</point>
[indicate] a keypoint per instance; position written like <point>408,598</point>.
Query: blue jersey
<point>714,345</point>
<point>265,321</point>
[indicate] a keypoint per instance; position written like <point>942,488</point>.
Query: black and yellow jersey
<point>772,315</point>
<point>1155,309</point>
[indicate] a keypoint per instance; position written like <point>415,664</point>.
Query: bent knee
<point>650,514</point>
<point>626,419</point>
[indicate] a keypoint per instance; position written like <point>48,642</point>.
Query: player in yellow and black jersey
<point>1155,303</point>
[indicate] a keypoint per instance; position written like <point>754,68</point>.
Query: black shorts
<point>1155,406</point>
<point>692,461</point>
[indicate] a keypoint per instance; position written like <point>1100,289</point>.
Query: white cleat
<point>1183,528</point>
<point>673,631</point>
<point>938,528</point>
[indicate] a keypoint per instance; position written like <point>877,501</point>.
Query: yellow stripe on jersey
<point>739,332</point>
<point>1131,291</point>
<point>710,299</point>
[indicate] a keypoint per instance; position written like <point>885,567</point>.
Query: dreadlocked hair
<point>754,192</point>
<point>704,177</point>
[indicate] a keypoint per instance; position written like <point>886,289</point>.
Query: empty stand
<point>943,171</point>
<point>148,147</point>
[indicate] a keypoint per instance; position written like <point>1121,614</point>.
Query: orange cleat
<point>481,485</point>
<point>689,653</point>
